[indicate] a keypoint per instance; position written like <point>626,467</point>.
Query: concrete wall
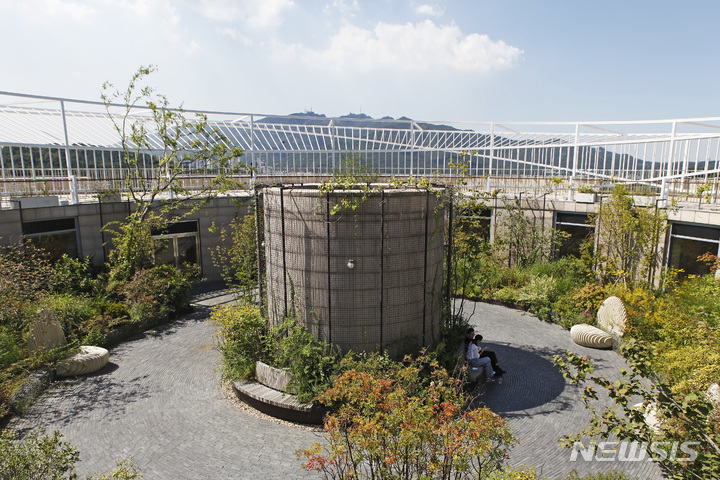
<point>91,216</point>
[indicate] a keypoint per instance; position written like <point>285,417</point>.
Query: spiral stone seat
<point>589,336</point>
<point>90,359</point>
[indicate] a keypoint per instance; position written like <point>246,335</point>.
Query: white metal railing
<point>48,145</point>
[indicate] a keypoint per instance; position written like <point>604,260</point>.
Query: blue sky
<point>498,60</point>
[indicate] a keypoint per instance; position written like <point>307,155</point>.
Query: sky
<point>469,60</point>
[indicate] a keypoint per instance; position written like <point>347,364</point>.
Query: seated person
<point>474,359</point>
<point>462,349</point>
<point>493,359</point>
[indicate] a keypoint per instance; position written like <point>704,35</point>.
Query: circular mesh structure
<point>364,279</point>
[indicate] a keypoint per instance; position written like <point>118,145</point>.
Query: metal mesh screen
<point>362,279</point>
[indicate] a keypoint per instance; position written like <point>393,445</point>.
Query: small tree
<point>236,256</point>
<point>627,239</point>
<point>160,145</point>
<point>526,238</point>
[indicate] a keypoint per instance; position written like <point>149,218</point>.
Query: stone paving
<point>159,400</point>
<point>534,398</point>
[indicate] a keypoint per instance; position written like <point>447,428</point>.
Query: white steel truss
<point>56,145</point>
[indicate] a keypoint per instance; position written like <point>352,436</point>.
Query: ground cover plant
<point>47,457</point>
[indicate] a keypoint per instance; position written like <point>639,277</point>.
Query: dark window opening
<point>57,237</point>
<point>687,243</point>
<point>474,220</point>
<point>576,225</point>
<point>181,242</point>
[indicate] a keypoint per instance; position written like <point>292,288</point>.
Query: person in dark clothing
<point>486,353</point>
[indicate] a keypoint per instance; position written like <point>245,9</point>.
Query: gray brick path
<point>159,400</point>
<point>534,398</point>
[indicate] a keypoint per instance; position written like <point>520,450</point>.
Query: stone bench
<point>269,396</point>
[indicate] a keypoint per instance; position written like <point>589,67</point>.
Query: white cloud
<point>261,13</point>
<point>410,47</point>
<point>343,6</point>
<point>42,11</point>
<point>234,34</point>
<point>193,48</point>
<point>430,10</point>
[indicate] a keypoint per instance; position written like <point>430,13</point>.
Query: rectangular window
<point>687,243</point>
<point>58,236</point>
<point>576,225</point>
<point>182,243</point>
<point>475,220</point>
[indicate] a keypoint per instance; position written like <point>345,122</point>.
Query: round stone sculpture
<point>589,336</point>
<point>713,396</point>
<point>650,415</point>
<point>90,359</point>
<point>612,316</point>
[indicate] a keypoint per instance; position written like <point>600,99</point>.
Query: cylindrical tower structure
<point>364,279</point>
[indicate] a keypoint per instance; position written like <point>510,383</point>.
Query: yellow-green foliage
<point>241,329</point>
<point>683,326</point>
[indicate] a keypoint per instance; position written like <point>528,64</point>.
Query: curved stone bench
<point>278,404</point>
<point>589,336</point>
<point>90,359</point>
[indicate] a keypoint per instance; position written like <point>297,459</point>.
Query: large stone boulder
<point>612,316</point>
<point>45,332</point>
<point>589,336</point>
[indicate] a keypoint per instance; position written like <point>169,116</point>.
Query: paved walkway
<point>534,398</point>
<point>159,400</point>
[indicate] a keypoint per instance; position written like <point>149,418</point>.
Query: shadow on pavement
<point>531,381</point>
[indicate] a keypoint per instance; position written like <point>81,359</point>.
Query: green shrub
<point>116,310</point>
<point>244,338</point>
<point>37,456</point>
<point>154,294</point>
<point>95,337</point>
<point>538,294</point>
<point>515,276</point>
<point>24,271</point>
<point>311,362</point>
<point>71,276</point>
<point>579,304</point>
<point>10,347</point>
<point>507,294</point>
<point>241,332</point>
<point>72,311</point>
<point>43,457</point>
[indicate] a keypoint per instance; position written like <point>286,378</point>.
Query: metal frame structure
<point>69,147</point>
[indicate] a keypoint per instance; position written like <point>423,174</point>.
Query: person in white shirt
<point>474,359</point>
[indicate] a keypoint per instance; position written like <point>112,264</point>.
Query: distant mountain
<point>351,120</point>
